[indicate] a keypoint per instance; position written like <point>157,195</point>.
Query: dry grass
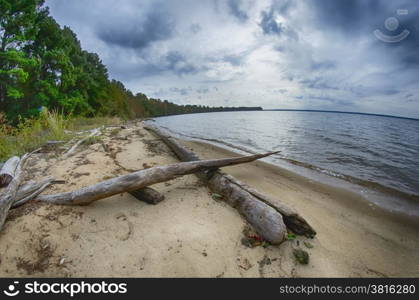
<point>32,133</point>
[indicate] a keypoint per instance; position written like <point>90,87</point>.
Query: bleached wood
<point>30,190</point>
<point>7,171</point>
<point>70,151</point>
<point>140,179</point>
<point>8,194</point>
<point>253,205</point>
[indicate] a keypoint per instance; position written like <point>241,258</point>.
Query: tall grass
<point>32,133</point>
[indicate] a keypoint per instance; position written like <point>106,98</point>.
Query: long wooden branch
<point>70,151</point>
<point>140,179</point>
<point>31,190</point>
<point>254,206</point>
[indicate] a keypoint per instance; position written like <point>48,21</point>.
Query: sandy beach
<point>190,234</point>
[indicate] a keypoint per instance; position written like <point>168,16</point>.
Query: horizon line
<point>343,112</point>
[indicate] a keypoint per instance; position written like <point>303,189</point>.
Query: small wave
<point>357,159</point>
<point>365,183</point>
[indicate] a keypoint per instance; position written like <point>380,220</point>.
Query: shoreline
<point>391,201</point>
<point>348,227</point>
<point>357,199</point>
<point>191,234</point>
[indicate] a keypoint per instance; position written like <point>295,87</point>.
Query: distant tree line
<point>43,65</point>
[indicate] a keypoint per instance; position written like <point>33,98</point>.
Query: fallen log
<point>31,189</point>
<point>7,171</point>
<point>141,179</point>
<point>8,195</point>
<point>148,195</point>
<point>256,207</point>
<point>292,219</point>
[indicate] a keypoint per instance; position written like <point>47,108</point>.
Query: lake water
<point>379,153</point>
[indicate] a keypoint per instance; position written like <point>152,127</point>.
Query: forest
<point>43,65</point>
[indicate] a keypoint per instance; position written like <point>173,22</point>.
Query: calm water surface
<point>374,151</point>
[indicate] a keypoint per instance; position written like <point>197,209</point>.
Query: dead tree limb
<point>8,195</point>
<point>7,171</point>
<point>148,195</point>
<point>70,151</point>
<point>292,219</point>
<point>31,190</point>
<point>254,206</point>
<point>141,179</point>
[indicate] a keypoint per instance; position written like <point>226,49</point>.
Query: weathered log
<point>31,189</point>
<point>241,196</point>
<point>7,171</point>
<point>141,179</point>
<point>148,195</point>
<point>8,195</point>
<point>70,151</point>
<point>292,219</point>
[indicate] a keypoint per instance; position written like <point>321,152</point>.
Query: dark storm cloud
<point>355,18</point>
<point>178,63</point>
<point>269,24</point>
<point>236,10</point>
<point>305,52</point>
<point>136,32</point>
<point>350,16</point>
<point>172,62</point>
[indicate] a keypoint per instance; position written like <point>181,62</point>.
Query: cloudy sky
<point>312,54</point>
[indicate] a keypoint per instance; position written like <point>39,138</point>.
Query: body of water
<point>379,153</point>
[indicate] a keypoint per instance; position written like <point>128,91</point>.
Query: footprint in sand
<point>124,231</point>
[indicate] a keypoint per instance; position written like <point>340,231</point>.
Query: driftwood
<point>292,219</point>
<point>70,151</point>
<point>31,190</point>
<point>8,194</point>
<point>148,195</point>
<point>141,179</point>
<point>7,171</point>
<point>265,214</point>
<point>11,196</point>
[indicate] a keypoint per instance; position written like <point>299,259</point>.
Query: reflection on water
<point>374,150</point>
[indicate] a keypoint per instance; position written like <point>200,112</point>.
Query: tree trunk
<point>148,195</point>
<point>262,212</point>
<point>7,171</point>
<point>8,195</point>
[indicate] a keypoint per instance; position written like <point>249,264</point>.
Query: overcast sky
<point>313,54</point>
